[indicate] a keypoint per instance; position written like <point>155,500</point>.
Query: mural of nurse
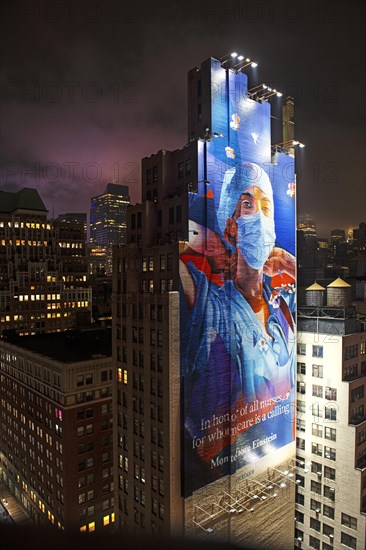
<point>244,347</point>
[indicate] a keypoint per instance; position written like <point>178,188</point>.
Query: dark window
<point>330,394</point>
<point>330,433</point>
<point>317,351</point>
<point>349,521</point>
<point>155,174</point>
<point>188,167</point>
<point>313,542</point>
<point>329,492</point>
<point>315,505</point>
<point>301,349</point>
<point>301,368</point>
<point>329,473</point>
<point>148,176</point>
<point>349,541</point>
<point>330,453</point>
<point>357,393</point>
<point>315,524</point>
<point>316,487</point>
<point>199,88</point>
<point>328,511</point>
<point>330,412</point>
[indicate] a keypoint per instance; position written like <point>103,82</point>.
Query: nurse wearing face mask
<point>244,351</point>
<point>264,342</point>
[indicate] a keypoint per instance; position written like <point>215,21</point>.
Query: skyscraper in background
<point>205,360</point>
<point>108,218</point>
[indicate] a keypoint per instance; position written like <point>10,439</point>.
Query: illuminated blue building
<point>205,324</point>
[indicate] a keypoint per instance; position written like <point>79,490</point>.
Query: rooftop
<point>25,199</point>
<point>70,346</point>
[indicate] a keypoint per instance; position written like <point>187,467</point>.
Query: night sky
<point>109,87</point>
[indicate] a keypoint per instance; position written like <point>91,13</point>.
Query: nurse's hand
<point>280,261</point>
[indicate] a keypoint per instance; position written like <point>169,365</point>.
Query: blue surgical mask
<point>256,238</point>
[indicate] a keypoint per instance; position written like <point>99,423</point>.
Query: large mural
<point>237,286</point>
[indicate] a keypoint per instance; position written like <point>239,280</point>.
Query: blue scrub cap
<point>236,181</point>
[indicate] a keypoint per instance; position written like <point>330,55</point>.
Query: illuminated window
<point>125,376</point>
<point>105,520</point>
<point>83,529</point>
<point>91,526</point>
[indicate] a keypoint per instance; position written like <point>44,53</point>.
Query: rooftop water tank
<point>339,293</point>
<point>315,295</point>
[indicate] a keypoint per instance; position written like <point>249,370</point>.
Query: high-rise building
<point>204,410</point>
<point>75,218</point>
<point>307,225</point>
<point>331,420</point>
<point>359,236</point>
<point>43,267</point>
<point>56,427</point>
<point>337,236</point>
<point>108,218</point>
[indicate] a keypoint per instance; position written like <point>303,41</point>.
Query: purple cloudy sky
<point>109,87</point>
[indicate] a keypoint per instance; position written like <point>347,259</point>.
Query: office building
<point>359,237</point>
<point>331,421</point>
<point>75,218</point>
<point>108,218</point>
<point>56,427</point>
<point>43,268</point>
<point>203,449</point>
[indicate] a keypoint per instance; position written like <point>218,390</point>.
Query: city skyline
<point>109,87</point>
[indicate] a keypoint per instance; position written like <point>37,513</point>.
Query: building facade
<point>108,218</point>
<point>56,428</point>
<point>331,422</point>
<point>204,441</point>
<point>43,267</point>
